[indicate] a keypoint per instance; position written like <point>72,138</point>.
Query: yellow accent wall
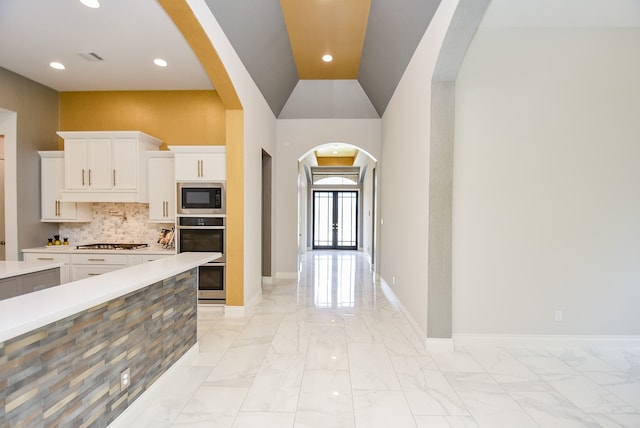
<point>178,118</point>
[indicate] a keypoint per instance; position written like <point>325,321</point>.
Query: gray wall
<point>546,205</point>
<point>37,122</point>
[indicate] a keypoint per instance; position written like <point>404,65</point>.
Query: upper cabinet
<point>200,163</point>
<point>162,187</point>
<point>103,166</point>
<point>52,183</point>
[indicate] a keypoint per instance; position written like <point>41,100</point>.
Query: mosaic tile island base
<point>67,373</point>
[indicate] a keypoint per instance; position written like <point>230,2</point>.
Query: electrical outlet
<point>393,280</point>
<point>557,315</point>
<point>125,379</point>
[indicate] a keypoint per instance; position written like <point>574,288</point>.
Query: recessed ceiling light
<point>327,58</point>
<point>94,4</point>
<point>56,65</point>
<point>160,62</point>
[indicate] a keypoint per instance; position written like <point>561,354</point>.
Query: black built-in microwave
<point>201,198</point>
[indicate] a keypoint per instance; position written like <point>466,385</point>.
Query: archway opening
<point>337,199</point>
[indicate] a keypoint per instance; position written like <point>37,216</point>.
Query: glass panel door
<point>335,222</point>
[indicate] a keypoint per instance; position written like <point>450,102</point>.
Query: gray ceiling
<point>256,29</point>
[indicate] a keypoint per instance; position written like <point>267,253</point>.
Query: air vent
<point>91,56</point>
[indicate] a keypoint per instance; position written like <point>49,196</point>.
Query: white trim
<point>440,345</point>
<point>267,280</point>
<point>150,395</point>
<point>234,311</point>
<point>537,341</point>
<point>393,299</point>
<point>287,275</point>
<point>257,298</point>
<point>9,127</point>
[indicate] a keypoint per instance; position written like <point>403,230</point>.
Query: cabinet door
<point>188,167</point>
<point>76,153</point>
<point>125,164</point>
<point>52,182</point>
<point>201,167</point>
<point>161,189</point>
<point>52,175</point>
<point>214,167</point>
<point>100,174</point>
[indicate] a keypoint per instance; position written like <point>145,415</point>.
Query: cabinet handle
<point>96,260</point>
<point>83,178</point>
<point>56,210</point>
<point>201,168</point>
<point>89,177</point>
<point>45,258</point>
<point>114,178</point>
<point>93,274</point>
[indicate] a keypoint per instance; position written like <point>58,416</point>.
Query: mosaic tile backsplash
<point>67,374</point>
<point>115,222</point>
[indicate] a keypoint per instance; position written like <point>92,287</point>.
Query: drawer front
<point>82,272</point>
<point>99,259</point>
<point>46,257</point>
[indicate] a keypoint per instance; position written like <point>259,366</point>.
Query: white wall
<point>404,174</point>
<point>546,178</point>
<point>259,133</point>
<point>295,137</point>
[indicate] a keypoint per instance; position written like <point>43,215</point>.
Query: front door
<point>335,220</point>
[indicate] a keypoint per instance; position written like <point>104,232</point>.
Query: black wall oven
<point>205,234</point>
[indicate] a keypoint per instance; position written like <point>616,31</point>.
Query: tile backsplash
<point>115,222</point>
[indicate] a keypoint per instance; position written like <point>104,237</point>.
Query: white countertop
<point>10,269</point>
<point>71,249</point>
<point>21,314</point>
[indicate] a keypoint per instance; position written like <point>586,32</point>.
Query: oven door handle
<point>202,227</point>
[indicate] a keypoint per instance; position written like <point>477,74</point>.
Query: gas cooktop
<point>102,246</point>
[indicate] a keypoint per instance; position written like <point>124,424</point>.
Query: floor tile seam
<point>585,411</point>
<point>554,392</point>
<point>612,392</point>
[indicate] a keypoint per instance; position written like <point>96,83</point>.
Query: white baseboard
<point>287,275</point>
<point>147,398</point>
<point>539,341</point>
<point>267,280</point>
<point>391,296</point>
<point>234,311</point>
<point>440,345</point>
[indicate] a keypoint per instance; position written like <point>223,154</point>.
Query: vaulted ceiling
<point>390,30</point>
<point>278,41</point>
<point>111,48</point>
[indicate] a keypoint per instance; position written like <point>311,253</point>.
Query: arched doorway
<point>337,198</point>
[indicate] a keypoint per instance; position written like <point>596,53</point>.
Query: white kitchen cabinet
<point>91,264</point>
<point>106,166</point>
<point>53,209</point>
<point>52,255</point>
<point>137,259</point>
<point>200,163</point>
<point>162,187</point>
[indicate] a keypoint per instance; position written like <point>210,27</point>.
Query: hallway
<point>331,350</point>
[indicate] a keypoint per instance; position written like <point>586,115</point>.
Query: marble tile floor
<point>330,350</point>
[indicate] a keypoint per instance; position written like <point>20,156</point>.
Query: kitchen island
<point>18,277</point>
<point>63,349</point>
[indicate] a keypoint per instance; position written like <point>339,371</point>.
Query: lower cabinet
<point>88,265</point>
<point>85,265</point>
<point>49,257</point>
